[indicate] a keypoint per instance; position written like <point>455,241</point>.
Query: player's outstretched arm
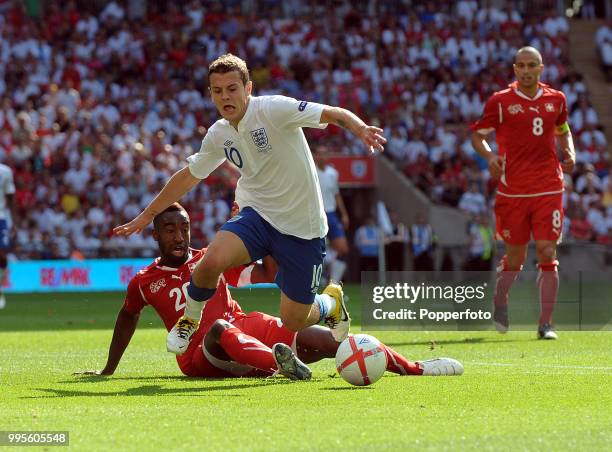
<point>125,325</point>
<point>496,163</point>
<point>371,136</point>
<point>180,183</point>
<point>567,151</point>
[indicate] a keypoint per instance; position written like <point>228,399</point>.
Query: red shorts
<point>518,218</point>
<point>266,328</point>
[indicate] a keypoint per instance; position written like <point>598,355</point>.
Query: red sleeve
<point>239,276</point>
<point>134,301</point>
<point>491,117</point>
<point>562,118</point>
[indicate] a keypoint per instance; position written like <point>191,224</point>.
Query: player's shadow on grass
<point>349,388</point>
<point>99,379</point>
<point>154,390</point>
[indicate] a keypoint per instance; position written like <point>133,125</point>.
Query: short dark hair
<point>174,207</point>
<point>229,63</point>
<point>528,49</point>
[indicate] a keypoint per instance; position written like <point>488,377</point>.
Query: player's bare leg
<point>328,306</point>
<point>548,286</point>
<point>225,251</point>
<point>316,342</point>
<point>297,316</point>
<point>507,271</point>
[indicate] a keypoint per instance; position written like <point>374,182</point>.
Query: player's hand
<point>134,226</point>
<point>372,138</point>
<point>569,160</point>
<point>99,373</point>
<point>235,209</point>
<point>496,166</point>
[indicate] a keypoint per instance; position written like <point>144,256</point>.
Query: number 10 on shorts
<point>317,271</point>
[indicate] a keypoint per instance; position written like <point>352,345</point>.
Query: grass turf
<point>517,392</point>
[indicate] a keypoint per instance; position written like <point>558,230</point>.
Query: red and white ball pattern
<point>361,360</point>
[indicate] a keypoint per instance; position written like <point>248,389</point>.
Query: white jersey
<point>328,178</point>
<point>7,187</point>
<point>278,177</point>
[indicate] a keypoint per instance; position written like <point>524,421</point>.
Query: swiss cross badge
<point>515,108</point>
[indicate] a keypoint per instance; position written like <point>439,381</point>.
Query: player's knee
<point>514,259</point>
<point>546,253</point>
<point>514,264</point>
<point>211,266</point>
<point>217,329</point>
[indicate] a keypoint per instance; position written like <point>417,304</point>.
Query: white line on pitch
<point>548,366</point>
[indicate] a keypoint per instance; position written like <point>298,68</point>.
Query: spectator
<point>95,102</point>
<point>580,229</point>
<point>395,243</point>
<point>482,245</point>
<point>473,202</point>
<point>422,241</point>
<point>366,242</point>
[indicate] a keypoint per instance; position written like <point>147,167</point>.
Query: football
<point>361,360</point>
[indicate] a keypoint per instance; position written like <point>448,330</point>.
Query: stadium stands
<point>99,107</point>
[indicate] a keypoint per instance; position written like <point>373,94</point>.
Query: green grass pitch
<point>517,393</point>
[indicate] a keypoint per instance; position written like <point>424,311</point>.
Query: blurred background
<point>100,102</point>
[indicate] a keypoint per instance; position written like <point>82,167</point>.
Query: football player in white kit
<point>332,202</point>
<point>281,212</point>
<point>7,218</point>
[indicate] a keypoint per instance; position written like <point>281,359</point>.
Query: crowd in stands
<point>99,107</point>
<point>603,39</point>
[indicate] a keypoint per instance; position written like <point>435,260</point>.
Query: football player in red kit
<point>529,119</point>
<point>229,342</point>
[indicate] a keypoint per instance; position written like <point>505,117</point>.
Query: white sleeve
<point>207,159</point>
<point>287,112</point>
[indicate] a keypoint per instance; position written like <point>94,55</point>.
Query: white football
<point>361,360</point>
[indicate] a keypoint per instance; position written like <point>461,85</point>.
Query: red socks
<point>503,281</point>
<point>397,364</point>
<point>245,349</point>
<point>548,287</point>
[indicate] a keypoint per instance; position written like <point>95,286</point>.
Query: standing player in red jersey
<point>228,341</point>
<point>529,119</point>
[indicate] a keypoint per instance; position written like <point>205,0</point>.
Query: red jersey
<point>525,134</point>
<point>165,288</point>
